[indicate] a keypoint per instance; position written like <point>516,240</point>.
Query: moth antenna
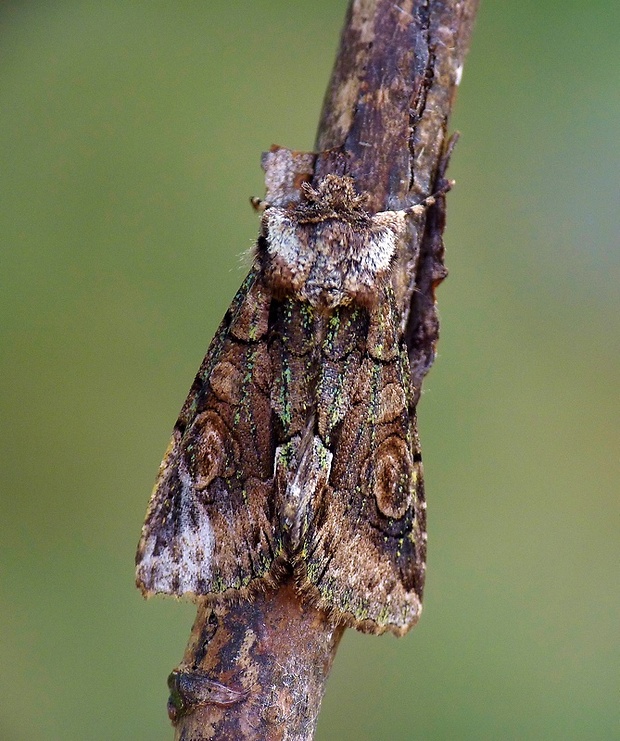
<point>420,208</point>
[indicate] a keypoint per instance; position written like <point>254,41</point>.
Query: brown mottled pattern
<point>364,557</point>
<point>384,123</point>
<point>305,372</point>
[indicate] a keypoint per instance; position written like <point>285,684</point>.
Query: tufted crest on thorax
<point>328,249</point>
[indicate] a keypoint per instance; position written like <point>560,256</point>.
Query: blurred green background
<point>130,137</point>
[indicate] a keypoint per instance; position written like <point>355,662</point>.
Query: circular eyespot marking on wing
<point>392,402</point>
<point>206,452</point>
<point>392,477</point>
<point>225,380</point>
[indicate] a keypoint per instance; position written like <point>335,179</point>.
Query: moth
<point>297,450</point>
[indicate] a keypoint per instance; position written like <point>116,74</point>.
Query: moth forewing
<point>211,525</point>
<point>297,448</point>
<point>364,551</point>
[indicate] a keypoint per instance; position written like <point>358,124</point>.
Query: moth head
<point>334,198</point>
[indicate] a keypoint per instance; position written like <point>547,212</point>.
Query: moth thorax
<point>329,263</point>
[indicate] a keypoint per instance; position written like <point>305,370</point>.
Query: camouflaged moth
<point>297,449</point>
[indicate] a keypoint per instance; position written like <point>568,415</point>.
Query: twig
<point>257,670</point>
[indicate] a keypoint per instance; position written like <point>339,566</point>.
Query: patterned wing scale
<point>210,525</point>
<point>366,540</point>
<point>296,445</point>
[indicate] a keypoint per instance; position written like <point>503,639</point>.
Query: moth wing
<point>365,545</point>
<point>209,525</point>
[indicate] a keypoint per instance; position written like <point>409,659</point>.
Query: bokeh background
<point>130,137</point>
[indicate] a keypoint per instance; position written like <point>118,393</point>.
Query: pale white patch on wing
<point>305,481</point>
<point>184,564</point>
<point>376,257</point>
<point>289,259</point>
<point>381,248</point>
<point>282,238</point>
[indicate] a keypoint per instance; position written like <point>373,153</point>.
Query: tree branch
<point>257,670</point>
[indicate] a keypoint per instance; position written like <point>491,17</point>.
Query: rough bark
<point>254,670</point>
<point>257,670</point>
